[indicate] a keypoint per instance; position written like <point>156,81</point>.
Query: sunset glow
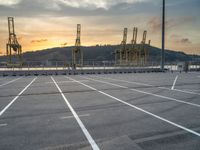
<point>52,23</point>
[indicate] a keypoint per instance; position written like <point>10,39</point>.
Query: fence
<point>92,64</point>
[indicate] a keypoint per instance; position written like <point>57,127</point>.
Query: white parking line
<point>10,82</point>
<point>1,113</point>
<point>183,91</point>
<point>3,125</point>
<point>82,126</point>
<point>142,110</point>
<point>174,83</point>
<point>139,83</point>
<point>65,82</point>
<point>68,117</point>
<point>191,90</point>
<point>147,93</point>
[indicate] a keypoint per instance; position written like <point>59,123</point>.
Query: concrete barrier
<point>75,72</point>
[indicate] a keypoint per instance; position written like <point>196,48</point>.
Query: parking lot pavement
<point>10,88</point>
<point>101,112</point>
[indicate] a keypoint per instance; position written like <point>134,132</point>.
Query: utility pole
<point>163,37</point>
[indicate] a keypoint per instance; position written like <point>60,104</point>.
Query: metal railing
<point>92,65</point>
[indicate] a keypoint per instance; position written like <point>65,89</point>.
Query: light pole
<point>163,37</point>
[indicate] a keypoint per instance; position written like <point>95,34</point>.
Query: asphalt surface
<point>142,111</point>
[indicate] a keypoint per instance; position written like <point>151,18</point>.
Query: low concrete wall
<point>75,72</point>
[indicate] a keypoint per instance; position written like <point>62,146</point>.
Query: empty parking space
<point>11,89</point>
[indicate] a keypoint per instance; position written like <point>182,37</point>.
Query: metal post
<point>163,37</point>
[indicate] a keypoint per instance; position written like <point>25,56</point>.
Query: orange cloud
<point>185,41</point>
<point>39,41</point>
<point>179,39</point>
<point>155,23</point>
<point>64,44</point>
<point>19,38</point>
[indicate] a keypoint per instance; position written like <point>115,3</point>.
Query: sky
<point>41,24</point>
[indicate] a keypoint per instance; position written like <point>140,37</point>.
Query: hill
<point>100,53</point>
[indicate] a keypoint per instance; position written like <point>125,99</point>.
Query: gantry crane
<point>134,39</point>
<point>122,53</point>
<point>13,45</point>
<point>144,48</point>
<point>132,54</point>
<point>147,52</point>
<point>77,52</point>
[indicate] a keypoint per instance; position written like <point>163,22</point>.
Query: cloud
<point>155,23</point>
<point>174,36</point>
<point>39,41</point>
<point>105,4</point>
<point>64,44</point>
<point>179,39</point>
<point>185,41</point>
<point>33,8</point>
<point>9,2</point>
<point>19,38</point>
